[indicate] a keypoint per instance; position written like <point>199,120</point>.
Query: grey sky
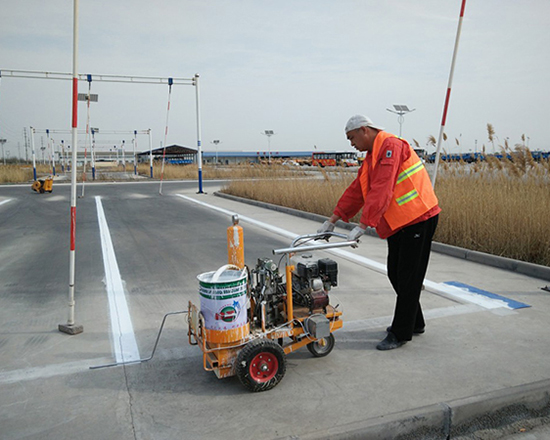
<point>300,68</point>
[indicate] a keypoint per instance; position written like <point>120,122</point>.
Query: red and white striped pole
<point>448,94</point>
<point>71,327</point>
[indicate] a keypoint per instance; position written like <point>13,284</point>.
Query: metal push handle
<point>295,247</point>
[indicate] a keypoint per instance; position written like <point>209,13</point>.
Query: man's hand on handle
<point>355,233</point>
<point>327,226</point>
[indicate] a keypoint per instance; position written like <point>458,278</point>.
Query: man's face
<point>362,138</point>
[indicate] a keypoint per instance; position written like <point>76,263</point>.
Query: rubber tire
<point>247,355</point>
<point>318,350</point>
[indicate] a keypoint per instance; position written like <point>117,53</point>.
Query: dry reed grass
<point>499,206</point>
<point>177,172</point>
<point>21,173</point>
<point>311,194</point>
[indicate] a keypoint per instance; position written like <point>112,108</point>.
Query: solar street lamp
<point>268,133</point>
<point>400,110</point>
<point>216,142</point>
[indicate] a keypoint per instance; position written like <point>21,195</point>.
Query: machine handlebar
<point>297,247</point>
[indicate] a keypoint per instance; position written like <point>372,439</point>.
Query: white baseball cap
<point>360,121</point>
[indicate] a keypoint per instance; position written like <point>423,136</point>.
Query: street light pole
<point>400,110</point>
<point>216,142</point>
<point>268,133</point>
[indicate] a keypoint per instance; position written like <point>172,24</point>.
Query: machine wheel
<point>261,365</point>
<point>322,346</point>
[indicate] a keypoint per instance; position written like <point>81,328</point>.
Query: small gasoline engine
<point>312,280</point>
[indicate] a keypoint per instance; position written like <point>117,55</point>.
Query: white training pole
<point>52,152</point>
<point>92,154</point>
<point>150,152</point>
<point>123,158</point>
<point>134,141</point>
<point>63,163</point>
<point>199,152</point>
<point>70,327</point>
<point>33,154</point>
<point>448,95</point>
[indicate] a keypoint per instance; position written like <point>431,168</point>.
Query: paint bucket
<point>224,304</point>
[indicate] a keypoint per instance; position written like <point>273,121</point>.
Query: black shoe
<point>390,342</point>
<point>416,331</point>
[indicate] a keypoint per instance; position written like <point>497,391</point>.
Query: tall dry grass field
<point>310,194</point>
<point>21,173</point>
<point>498,207</point>
<point>186,172</point>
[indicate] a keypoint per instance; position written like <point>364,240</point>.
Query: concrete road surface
<point>481,365</point>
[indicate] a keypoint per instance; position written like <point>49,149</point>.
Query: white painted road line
<point>124,339</point>
<point>4,201</point>
<point>441,289</point>
<point>47,371</point>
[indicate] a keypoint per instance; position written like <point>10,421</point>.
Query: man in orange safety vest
<point>394,191</point>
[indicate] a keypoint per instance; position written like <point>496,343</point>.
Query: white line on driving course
<point>124,339</point>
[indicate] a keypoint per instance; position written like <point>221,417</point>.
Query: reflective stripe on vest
<point>410,171</point>
<point>411,195</point>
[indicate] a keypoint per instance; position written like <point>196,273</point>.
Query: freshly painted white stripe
<point>124,339</point>
<point>465,296</point>
<point>441,289</point>
<point>44,372</point>
<point>262,225</point>
<point>5,201</point>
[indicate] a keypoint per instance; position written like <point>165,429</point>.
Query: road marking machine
<point>43,185</point>
<point>250,320</point>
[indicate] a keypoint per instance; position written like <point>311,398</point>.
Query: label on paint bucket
<point>223,302</point>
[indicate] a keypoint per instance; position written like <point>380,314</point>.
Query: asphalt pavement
<point>479,371</point>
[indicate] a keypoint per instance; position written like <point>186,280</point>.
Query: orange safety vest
<point>413,194</point>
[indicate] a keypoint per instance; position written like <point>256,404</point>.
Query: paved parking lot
<point>477,348</point>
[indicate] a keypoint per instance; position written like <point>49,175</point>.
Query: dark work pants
<point>408,256</point>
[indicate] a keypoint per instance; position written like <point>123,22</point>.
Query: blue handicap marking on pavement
<point>511,303</point>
